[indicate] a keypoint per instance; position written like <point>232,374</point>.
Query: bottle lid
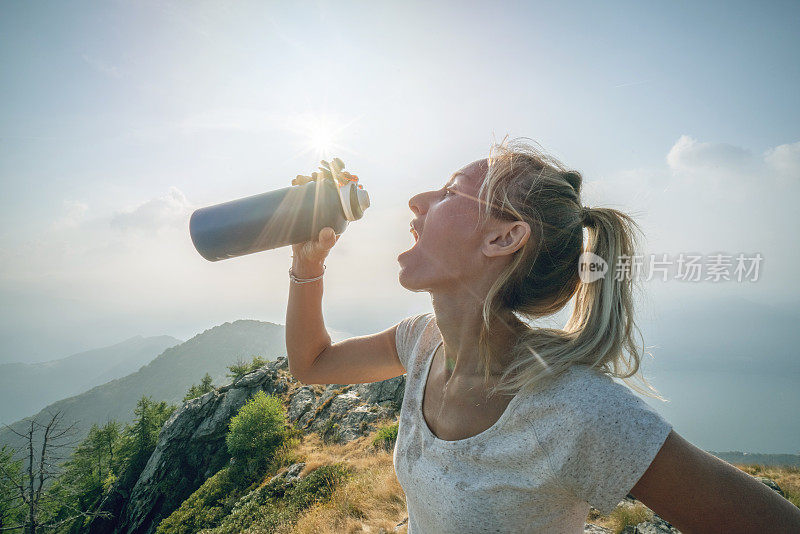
<point>354,201</point>
<point>363,198</point>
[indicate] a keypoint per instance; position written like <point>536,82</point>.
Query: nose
<point>416,203</point>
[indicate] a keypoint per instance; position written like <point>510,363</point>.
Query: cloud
<point>170,210</point>
<point>785,161</point>
<point>690,155</point>
<point>75,212</point>
<point>732,169</point>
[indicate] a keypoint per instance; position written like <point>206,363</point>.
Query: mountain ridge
<point>26,388</point>
<point>168,376</point>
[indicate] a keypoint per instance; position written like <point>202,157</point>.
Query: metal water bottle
<point>275,219</point>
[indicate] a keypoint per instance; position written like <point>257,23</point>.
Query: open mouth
<point>416,237</point>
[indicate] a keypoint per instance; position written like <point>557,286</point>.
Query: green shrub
<point>198,390</point>
<point>241,367</point>
<point>285,455</point>
<point>330,432</point>
<point>278,503</point>
<point>317,486</point>
<point>204,508</point>
<point>256,432</point>
<point>386,437</point>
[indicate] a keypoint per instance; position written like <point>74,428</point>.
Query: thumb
<point>327,236</point>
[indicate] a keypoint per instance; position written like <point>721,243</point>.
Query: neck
<point>460,329</point>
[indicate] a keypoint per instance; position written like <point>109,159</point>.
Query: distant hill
<point>169,376</point>
<point>736,457</point>
<point>26,388</point>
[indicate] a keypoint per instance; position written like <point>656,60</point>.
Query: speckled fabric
<point>578,440</point>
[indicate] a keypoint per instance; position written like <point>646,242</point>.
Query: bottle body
<point>274,219</point>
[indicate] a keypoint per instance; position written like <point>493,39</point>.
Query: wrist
<point>307,269</point>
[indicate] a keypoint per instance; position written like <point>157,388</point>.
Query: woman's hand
<point>309,256</point>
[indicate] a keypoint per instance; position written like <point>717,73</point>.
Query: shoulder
<point>601,436</point>
<point>584,390</point>
<point>583,404</point>
<point>411,333</point>
<point>412,327</point>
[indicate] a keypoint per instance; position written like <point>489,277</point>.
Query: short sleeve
<point>407,332</point>
<point>613,439</point>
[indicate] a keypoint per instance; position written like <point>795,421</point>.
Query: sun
<point>322,139</point>
<point>319,134</point>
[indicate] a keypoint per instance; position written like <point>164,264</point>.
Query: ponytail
<point>524,183</point>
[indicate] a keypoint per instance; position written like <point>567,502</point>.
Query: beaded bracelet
<point>305,280</point>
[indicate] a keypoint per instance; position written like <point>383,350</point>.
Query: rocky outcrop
<point>191,446</point>
<point>654,526</point>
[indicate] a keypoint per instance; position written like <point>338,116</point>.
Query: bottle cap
<point>354,201</point>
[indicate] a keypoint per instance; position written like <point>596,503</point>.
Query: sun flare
<point>320,134</point>
<point>322,139</point>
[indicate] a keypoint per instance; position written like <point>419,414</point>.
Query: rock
<point>348,411</point>
<point>301,403</point>
<point>590,528</point>
<point>654,526</point>
<point>771,484</point>
<point>294,470</point>
<point>400,524</point>
<point>292,473</point>
<point>386,391</point>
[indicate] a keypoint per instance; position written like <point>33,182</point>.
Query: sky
<point>119,119</point>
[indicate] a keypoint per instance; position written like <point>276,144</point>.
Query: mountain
<point>26,388</point>
<point>168,376</point>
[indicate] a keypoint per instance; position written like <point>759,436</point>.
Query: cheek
<point>454,233</point>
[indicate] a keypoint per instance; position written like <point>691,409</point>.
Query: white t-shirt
<point>582,439</point>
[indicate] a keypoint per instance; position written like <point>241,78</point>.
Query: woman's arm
<point>306,335</point>
<point>698,492</point>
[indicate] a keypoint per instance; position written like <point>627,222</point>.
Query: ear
<point>506,238</point>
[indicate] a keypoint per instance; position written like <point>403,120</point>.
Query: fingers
<point>327,237</point>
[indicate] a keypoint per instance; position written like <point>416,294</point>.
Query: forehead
<point>470,176</point>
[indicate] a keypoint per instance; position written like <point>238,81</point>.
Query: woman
<point>506,427</point>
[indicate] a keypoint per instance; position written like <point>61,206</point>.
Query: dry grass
<point>623,516</point>
<point>370,500</point>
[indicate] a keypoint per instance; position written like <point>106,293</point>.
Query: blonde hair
<point>524,183</point>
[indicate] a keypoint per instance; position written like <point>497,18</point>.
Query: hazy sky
<point>118,119</point>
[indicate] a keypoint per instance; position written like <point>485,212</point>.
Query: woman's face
<point>447,253</point>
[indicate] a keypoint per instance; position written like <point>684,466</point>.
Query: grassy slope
<point>373,498</point>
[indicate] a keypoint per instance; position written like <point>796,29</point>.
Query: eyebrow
<point>453,179</point>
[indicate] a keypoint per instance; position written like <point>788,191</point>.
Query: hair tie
<point>585,215</point>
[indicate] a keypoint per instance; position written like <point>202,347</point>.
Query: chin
<point>402,277</point>
<point>409,284</point>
